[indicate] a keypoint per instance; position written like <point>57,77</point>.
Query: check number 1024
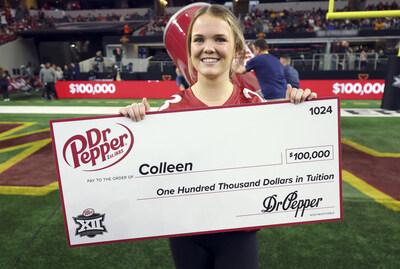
<point>320,110</point>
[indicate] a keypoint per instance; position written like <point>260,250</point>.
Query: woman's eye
<point>198,40</point>
<point>220,39</point>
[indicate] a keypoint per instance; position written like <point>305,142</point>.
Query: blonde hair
<point>222,13</point>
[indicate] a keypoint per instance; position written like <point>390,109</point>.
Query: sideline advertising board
<point>346,89</point>
<point>199,171</point>
<point>156,89</point>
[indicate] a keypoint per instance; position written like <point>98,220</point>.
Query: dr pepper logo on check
<point>98,149</point>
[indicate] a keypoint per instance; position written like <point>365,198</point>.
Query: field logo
<point>90,223</point>
<point>98,149</point>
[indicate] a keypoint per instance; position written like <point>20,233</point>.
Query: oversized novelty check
<point>199,171</point>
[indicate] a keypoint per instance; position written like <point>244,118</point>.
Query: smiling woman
<point>214,39</point>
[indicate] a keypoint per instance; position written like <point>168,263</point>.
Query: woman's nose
<point>209,47</point>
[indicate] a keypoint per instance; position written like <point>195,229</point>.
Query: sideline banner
<point>347,88</point>
<point>155,89</point>
<point>199,171</point>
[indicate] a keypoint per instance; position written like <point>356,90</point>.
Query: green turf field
<point>35,99</point>
<point>33,233</point>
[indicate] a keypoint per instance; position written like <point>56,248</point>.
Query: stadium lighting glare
<point>359,14</point>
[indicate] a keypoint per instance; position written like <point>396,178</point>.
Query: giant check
<point>199,171</point>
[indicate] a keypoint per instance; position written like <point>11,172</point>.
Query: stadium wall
<point>17,53</point>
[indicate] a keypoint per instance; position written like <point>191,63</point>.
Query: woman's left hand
<point>298,96</point>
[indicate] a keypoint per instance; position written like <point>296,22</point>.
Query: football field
<point>32,224</point>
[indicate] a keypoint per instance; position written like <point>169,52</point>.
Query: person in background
<point>44,95</point>
<point>26,75</point>
<point>118,52</point>
<point>180,80</point>
<point>48,78</point>
<point>214,39</point>
<point>291,74</point>
<point>59,73</point>
<point>269,71</point>
<point>4,80</point>
<point>99,62</point>
<point>73,71</point>
<point>91,74</point>
<point>67,73</point>
<point>114,73</point>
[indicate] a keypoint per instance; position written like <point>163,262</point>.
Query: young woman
<point>214,40</point>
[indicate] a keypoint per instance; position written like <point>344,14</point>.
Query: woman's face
<point>212,46</point>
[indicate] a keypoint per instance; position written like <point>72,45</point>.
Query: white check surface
<point>246,166</point>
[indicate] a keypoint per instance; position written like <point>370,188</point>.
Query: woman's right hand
<point>136,111</point>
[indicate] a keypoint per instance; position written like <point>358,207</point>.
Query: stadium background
<point>32,227</point>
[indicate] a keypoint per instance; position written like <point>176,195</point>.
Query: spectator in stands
<point>382,59</point>
<point>364,58</point>
<point>3,20</point>
<point>378,24</point>
<point>74,71</point>
<point>4,80</point>
<point>67,73</point>
<point>118,57</point>
<point>259,25</point>
<point>127,30</point>
<point>26,75</point>
<point>91,74</point>
<point>269,71</point>
<point>99,60</point>
<point>180,80</point>
<point>48,78</point>
<point>114,72</point>
<point>129,67</point>
<point>291,74</point>
<point>59,73</point>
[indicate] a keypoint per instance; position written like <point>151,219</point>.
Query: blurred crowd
<point>257,21</point>
<point>29,79</point>
<point>11,24</point>
<point>289,21</point>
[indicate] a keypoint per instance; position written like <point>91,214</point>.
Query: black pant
<point>49,87</point>
<point>4,91</point>
<point>233,250</point>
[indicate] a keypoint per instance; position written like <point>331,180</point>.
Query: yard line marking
<point>24,134</point>
<point>32,191</point>
<point>31,148</point>
<point>380,197</point>
<point>16,129</point>
<point>369,150</point>
<point>368,112</point>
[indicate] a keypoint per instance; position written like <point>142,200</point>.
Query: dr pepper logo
<point>98,149</point>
